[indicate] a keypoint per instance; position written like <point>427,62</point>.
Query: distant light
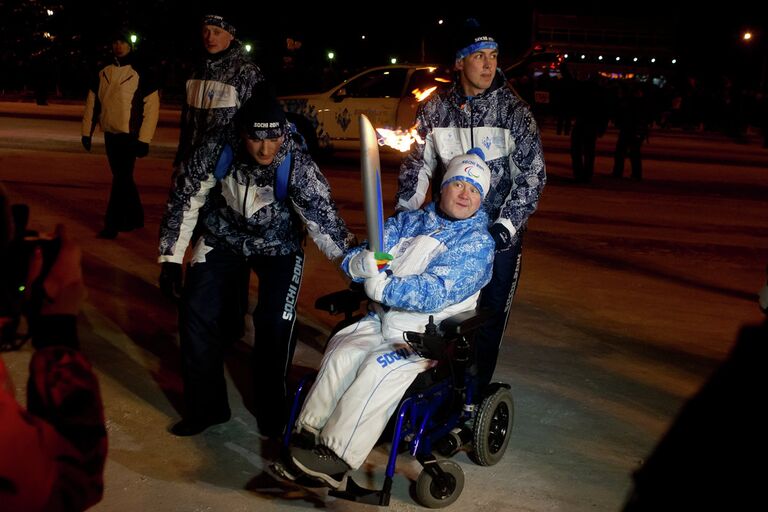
<point>653,59</point>
<point>331,55</point>
<point>248,47</point>
<point>50,12</point>
<point>565,56</point>
<point>747,36</point>
<point>583,56</point>
<point>634,60</point>
<point>439,22</point>
<point>134,38</point>
<point>47,35</point>
<point>363,36</point>
<point>674,61</point>
<point>393,60</point>
<point>618,59</point>
<point>600,57</point>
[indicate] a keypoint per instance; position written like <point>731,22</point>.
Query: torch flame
<point>422,95</point>
<point>401,140</point>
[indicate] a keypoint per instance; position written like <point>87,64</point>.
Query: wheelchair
<point>439,412</point>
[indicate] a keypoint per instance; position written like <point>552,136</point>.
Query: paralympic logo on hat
<point>471,172</point>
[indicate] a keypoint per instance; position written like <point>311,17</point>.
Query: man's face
<point>216,39</point>
<point>476,71</point>
<point>263,150</point>
<point>460,199</point>
<point>120,48</point>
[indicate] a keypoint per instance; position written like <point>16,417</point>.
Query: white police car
<point>388,95</point>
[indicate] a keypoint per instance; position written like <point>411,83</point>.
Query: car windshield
<point>382,83</point>
<point>425,79</point>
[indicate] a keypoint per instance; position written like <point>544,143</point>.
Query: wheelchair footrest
<point>354,492</point>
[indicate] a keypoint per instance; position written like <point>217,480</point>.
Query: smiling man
<point>481,110</point>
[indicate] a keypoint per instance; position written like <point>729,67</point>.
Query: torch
<point>370,169</point>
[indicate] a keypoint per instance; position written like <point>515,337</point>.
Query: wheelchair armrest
<point>464,322</point>
<point>342,301</point>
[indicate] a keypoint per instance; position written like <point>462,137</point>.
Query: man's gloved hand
<point>170,280</point>
<point>86,142</point>
<point>501,236</point>
<point>374,286</point>
<point>142,149</point>
<point>363,265</point>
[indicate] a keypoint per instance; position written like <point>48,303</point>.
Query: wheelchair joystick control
<point>429,344</point>
<point>430,329</point>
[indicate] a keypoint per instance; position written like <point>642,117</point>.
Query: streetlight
<point>331,56</point>
<point>393,60</point>
<point>746,36</point>
<point>134,38</point>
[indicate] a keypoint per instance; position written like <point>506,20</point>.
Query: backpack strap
<point>224,162</point>
<point>283,177</point>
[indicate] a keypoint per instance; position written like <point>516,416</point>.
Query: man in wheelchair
<point>442,257</point>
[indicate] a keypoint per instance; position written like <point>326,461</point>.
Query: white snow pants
<point>359,385</point>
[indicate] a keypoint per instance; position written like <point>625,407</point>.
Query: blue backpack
<point>282,174</point>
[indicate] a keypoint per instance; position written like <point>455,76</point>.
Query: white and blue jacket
<point>498,122</point>
<point>438,268</point>
<point>251,209</point>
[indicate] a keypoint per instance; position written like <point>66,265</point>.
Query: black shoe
<point>107,233</point>
<point>186,428</point>
<point>321,463</point>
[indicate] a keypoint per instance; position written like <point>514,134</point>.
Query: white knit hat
<point>469,167</point>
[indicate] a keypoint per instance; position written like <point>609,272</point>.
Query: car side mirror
<point>339,95</point>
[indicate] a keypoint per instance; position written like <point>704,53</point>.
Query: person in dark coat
<point>590,122</point>
<point>632,119</point>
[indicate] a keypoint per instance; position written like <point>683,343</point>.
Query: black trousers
<point>124,210</point>
<point>628,145</point>
<point>203,326</point>
<point>497,296</point>
<point>583,142</point>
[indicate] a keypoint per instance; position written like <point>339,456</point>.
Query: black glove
<point>142,149</point>
<point>170,280</point>
<point>86,142</point>
<point>501,236</point>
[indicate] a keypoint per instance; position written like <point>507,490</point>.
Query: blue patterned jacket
<point>501,124</point>
<point>219,85</point>
<point>439,267</point>
<point>243,212</point>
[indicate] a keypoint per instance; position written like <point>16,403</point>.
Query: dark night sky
<point>401,30</point>
<point>706,38</point>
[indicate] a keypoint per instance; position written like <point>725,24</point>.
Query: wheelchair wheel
<point>432,494</point>
<point>493,426</point>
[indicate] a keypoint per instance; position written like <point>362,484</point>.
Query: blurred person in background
<point>123,100</point>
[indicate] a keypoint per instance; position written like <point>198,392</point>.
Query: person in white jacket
<point>442,257</point>
<point>124,102</point>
